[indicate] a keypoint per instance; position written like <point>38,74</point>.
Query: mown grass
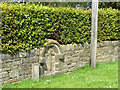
<point>105,75</point>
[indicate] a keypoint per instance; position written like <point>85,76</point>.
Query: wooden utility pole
<point>1,81</point>
<point>94,33</point>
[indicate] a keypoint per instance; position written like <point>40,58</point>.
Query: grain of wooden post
<point>94,33</point>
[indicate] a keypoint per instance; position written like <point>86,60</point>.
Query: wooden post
<point>94,33</point>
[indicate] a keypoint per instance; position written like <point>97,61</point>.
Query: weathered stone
<point>84,54</point>
<point>35,71</point>
<point>0,67</point>
<point>72,47</point>
<point>33,59</point>
<point>8,56</point>
<point>37,51</point>
<point>25,60</point>
<point>7,61</point>
<point>0,76</point>
<point>107,43</point>
<point>101,44</point>
<point>10,80</point>
<point>14,73</point>
<point>5,74</point>
<point>3,57</point>
<point>68,47</point>
<point>10,64</point>
<point>1,83</point>
<point>59,57</point>
<point>32,52</point>
<point>20,78</point>
<point>15,56</point>
<point>86,46</point>
<point>75,55</point>
<point>80,46</point>
<point>22,54</point>
<point>68,54</point>
<point>76,46</point>
<point>5,79</point>
<point>115,43</point>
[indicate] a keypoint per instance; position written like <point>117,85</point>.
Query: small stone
<point>3,57</point>
<point>22,54</point>
<point>86,46</point>
<point>14,73</point>
<point>32,53</point>
<point>68,47</point>
<point>80,46</point>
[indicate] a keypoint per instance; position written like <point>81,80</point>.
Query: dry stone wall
<point>19,66</point>
<point>53,59</point>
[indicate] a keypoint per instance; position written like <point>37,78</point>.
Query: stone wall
<point>53,59</point>
<point>19,66</point>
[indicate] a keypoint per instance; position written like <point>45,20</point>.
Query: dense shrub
<point>28,26</point>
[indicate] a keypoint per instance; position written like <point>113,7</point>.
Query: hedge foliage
<point>27,26</point>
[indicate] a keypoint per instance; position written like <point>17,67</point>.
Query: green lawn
<point>105,75</point>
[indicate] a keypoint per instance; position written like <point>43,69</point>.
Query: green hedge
<point>28,26</point>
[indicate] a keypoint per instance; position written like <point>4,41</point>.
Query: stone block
<point>37,51</point>
<point>115,43</point>
<point>0,67</point>
<point>35,71</point>
<point>7,61</point>
<point>68,54</point>
<point>5,74</point>
<point>3,57</point>
<point>107,43</point>
<point>59,57</point>
<point>84,54</point>
<point>73,64</point>
<point>20,71</point>
<point>63,48</point>
<point>1,76</point>
<point>7,65</point>
<point>10,80</point>
<point>86,45</point>
<point>57,66</point>
<point>81,47</point>
<point>5,79</point>
<point>19,78</point>
<point>24,60</point>
<point>32,53</point>
<point>67,47</point>
<point>75,55</point>
<point>14,73</point>
<point>15,56</point>
<point>101,44</point>
<point>34,59</point>
<point>72,47</point>
<point>22,54</point>
<point>8,56</point>
<point>1,83</point>
<point>76,46</point>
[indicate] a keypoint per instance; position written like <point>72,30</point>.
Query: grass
<point>105,75</point>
